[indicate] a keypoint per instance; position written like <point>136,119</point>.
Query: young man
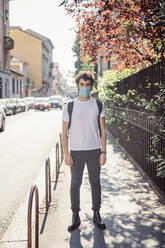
<point>87,146</point>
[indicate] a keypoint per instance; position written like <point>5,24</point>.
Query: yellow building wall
<point>29,49</point>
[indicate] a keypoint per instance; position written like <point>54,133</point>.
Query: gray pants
<point>91,159</point>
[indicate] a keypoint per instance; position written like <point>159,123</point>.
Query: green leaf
<point>161,173</point>
<point>152,158</point>
<point>160,168</point>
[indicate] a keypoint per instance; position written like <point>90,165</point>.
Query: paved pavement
<point>134,216</point>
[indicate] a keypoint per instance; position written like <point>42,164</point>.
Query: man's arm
<point>68,159</point>
<point>103,140</point>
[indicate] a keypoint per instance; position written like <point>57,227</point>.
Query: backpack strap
<point>70,110</point>
<point>100,107</point>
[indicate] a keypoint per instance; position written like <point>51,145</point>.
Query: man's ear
<point>78,86</point>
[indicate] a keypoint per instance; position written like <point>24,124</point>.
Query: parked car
<point>3,105</point>
<point>42,104</point>
<point>55,102</point>
<point>14,104</point>
<point>2,119</point>
<point>23,104</point>
<point>30,101</point>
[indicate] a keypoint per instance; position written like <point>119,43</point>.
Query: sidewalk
<point>134,216</point>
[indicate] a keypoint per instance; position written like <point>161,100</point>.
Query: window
<point>13,85</point>
<point>0,87</point>
<point>17,85</point>
<point>20,88</point>
<point>6,88</point>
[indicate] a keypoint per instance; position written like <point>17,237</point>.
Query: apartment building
<point>19,86</point>
<point>36,50</point>
<point>56,75</point>
<point>6,43</point>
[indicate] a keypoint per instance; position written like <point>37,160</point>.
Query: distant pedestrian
<point>84,127</point>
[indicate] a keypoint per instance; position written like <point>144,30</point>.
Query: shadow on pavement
<point>132,212</point>
<point>99,241</point>
<point>75,241</point>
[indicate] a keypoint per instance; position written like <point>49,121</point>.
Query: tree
<point>82,64</point>
<point>77,51</point>
<point>131,32</point>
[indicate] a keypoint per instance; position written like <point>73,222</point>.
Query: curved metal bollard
<point>61,149</point>
<point>47,183</point>
<point>34,190</point>
<point>57,159</point>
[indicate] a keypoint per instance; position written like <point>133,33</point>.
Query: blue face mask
<point>84,92</point>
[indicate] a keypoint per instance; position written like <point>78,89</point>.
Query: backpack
<point>70,110</point>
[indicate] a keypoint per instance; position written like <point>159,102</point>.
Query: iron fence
<point>144,81</point>
<point>133,128</point>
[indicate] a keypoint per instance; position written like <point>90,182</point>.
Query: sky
<point>46,18</point>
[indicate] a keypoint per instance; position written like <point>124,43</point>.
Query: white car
<point>30,101</point>
<point>2,119</point>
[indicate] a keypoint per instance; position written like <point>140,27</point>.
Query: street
<point>24,145</point>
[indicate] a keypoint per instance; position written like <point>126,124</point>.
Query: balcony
<point>8,43</point>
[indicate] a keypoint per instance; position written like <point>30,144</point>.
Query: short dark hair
<point>86,75</point>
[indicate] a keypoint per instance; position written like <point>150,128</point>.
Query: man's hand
<point>102,159</point>
<point>68,160</point>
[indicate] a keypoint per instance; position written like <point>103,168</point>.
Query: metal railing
<point>137,118</point>
<point>139,81</point>
<point>133,127</point>
<point>34,190</point>
<point>133,130</point>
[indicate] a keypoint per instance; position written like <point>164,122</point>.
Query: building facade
<point>6,43</point>
<point>16,89</point>
<point>19,82</point>
<point>36,50</point>
<point>56,75</point>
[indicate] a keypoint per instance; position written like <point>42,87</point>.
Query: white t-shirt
<point>84,132</point>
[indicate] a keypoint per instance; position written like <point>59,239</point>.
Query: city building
<point>56,75</point>
<point>15,90</point>
<point>19,86</point>
<point>6,43</point>
<point>36,50</point>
